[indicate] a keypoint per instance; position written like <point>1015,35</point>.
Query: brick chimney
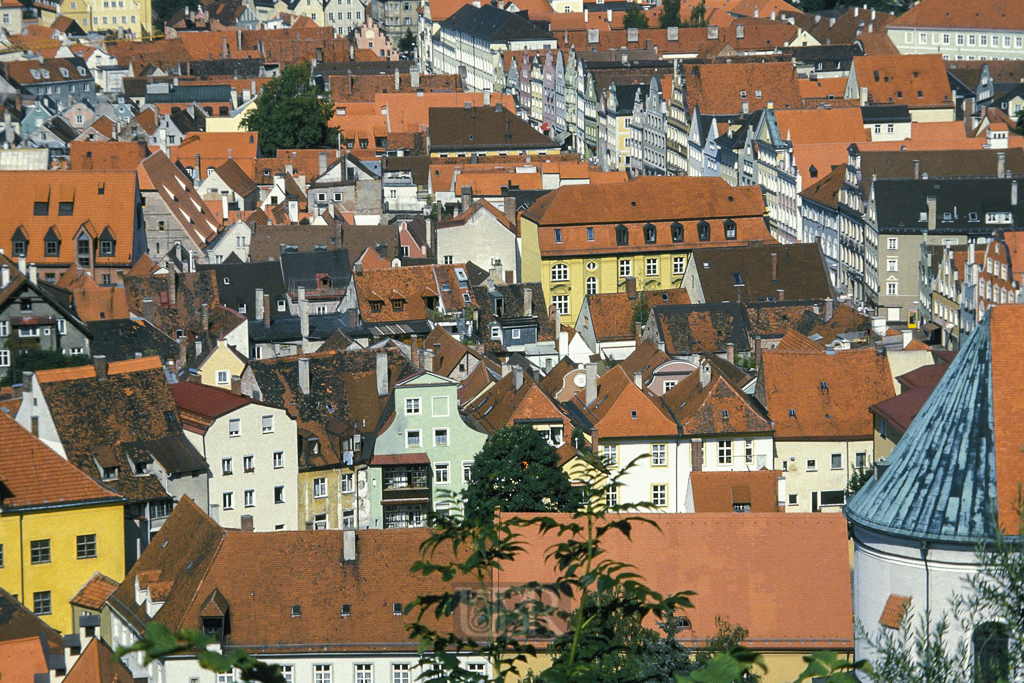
<point>266,310</point>
<point>99,363</point>
<point>631,288</point>
<point>247,525</point>
<point>172,295</point>
<point>590,394</point>
<point>775,267</point>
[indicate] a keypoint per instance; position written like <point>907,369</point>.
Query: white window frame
<point>267,428</point>
<point>441,431</point>
<point>319,487</point>
<point>413,405</point>
<point>724,452</point>
<point>659,455</point>
<point>419,438</point>
<point>234,427</point>
<point>651,266</point>
<point>442,474</point>
<point>278,459</point>
<point>659,495</point>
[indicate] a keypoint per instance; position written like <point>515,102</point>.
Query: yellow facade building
<point>592,239</point>
<point>58,527</point>
<point>220,365</point>
<point>132,18</point>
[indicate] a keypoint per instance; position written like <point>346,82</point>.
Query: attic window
<point>590,234</point>
<point>227,281</point>
<point>650,234</point>
<point>18,248</point>
<point>376,306</point>
<point>110,473</point>
<point>704,231</point>
<point>730,229</point>
<point>632,414</point>
<point>743,94</point>
<point>346,610</point>
<point>396,609</point>
<point>737,279</point>
<point>106,248</point>
<point>65,208</point>
<point>621,235</point>
<point>677,232</point>
<point>41,209</point>
<point>725,414</point>
<point>296,611</point>
<point>824,385</point>
<point>792,412</point>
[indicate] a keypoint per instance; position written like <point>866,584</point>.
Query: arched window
<point>730,229</point>
<point>559,272</point>
<point>991,642</point>
<point>704,231</point>
<point>621,235</point>
<point>591,285</point>
<point>677,232</point>
<point>650,233</point>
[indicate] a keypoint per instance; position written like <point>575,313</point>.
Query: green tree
<point>1020,123</point>
<point>858,479</point>
<point>635,17</point>
<point>30,360</point>
<point>641,309</point>
<point>517,470</point>
<point>669,14</point>
<point>292,113</point>
<point>407,45</point>
<point>697,18</point>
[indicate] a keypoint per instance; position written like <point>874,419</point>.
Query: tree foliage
<point>858,479</point>
<point>292,113</point>
<point>517,470</point>
<point>697,17</point>
<point>30,360</point>
<point>669,14</point>
<point>407,45</point>
<point>635,17</point>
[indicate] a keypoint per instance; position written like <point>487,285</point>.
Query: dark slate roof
<point>886,113</point>
<point>940,483</point>
<point>235,68</point>
<point>745,273</point>
<point>484,128</point>
<point>494,25</point>
<point>513,302</point>
<point>301,269</point>
<point>188,94</point>
<point>701,328</point>
<point>900,204</point>
<point>122,339</point>
<point>237,284</point>
<point>288,329</point>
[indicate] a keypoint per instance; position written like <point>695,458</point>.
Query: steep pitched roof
<point>724,88</point>
<point>823,396</point>
<point>621,408</point>
<point>504,404</point>
<point>175,188</point>
<point>399,294</point>
<point>706,402</point>
<point>95,592</point>
<point>1000,15</point>
<point>32,474</point>
<point>612,314</point>
<point>483,128</point>
<point>721,491</point>
<point>97,664</point>
<point>758,273</point>
<point>914,80</point>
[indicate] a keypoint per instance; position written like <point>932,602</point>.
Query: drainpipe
<point>927,581</point>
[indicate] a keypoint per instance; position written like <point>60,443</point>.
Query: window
<point>412,438</point>
<point>833,497</point>
<point>18,248</point>
<point>320,487</point>
<point>441,473</point>
<point>621,235</point>
<point>467,471</point>
<point>625,267</point>
<point>590,234</point>
<point>278,459</point>
<point>248,498</point>
<point>517,334</point>
<point>650,234</point>
<point>106,248</point>
<point>51,248</point>
<point>991,643</point>
<point>559,272</point>
<point>837,461</point>
<point>794,499</point>
<point>222,377</point>
<point>4,328</point>
<point>5,358</point>
<point>591,285</point>
<point>364,673</point>
<point>860,460</point>
<point>652,266</point>
<point>591,266</point>
<point>748,451</point>
<point>558,236</point>
<point>561,303</point>
<point>659,495</point>
<point>703,231</point>
<point>412,406</point>
<point>288,673</point>
<point>234,426</point>
<point>892,265</point>
<point>347,484</point>
<point>268,424</point>
<point>348,519</point>
<point>281,305</point>
<point>440,437</point>
<point>495,333</point>
<point>278,494</point>
<point>725,452</point>
<point>892,288</point>
<point>321,673</point>
<point>225,466</point>
<point>86,546</point>
<point>730,229</point>
<point>610,455</point>
<point>229,500</point>
<point>894,243</point>
<point>41,209</point>
<point>812,465</point>
<point>40,551</point>
<point>41,602</point>
<point>399,672</point>
<point>659,455</point>
<point>678,265</point>
<point>611,496</point>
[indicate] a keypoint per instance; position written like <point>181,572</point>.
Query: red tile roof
<point>95,592</point>
<point>996,15</point>
<point>410,288</point>
<point>33,475</point>
<point>895,609</point>
<point>1007,362</point>
<point>205,401</point>
<point>612,314</point>
<point>918,81</point>
<point>720,491</point>
<point>97,664</point>
<point>720,88</point>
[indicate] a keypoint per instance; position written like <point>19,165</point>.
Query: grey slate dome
<point>940,483</point>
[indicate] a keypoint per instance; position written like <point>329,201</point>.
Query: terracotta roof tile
<point>814,126</point>
<point>718,88</point>
<point>95,592</point>
<point>612,314</point>
<point>917,81</point>
<point>721,491</point>
<point>621,408</point>
<point>397,294</point>
<point>111,155</point>
<point>718,407</point>
<point>895,609</point>
<point>1002,15</point>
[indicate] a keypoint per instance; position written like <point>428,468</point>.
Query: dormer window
<point>41,209</point>
<point>730,229</point>
<point>52,247</point>
<point>18,248</point>
<point>677,232</point>
<point>64,72</point>
<point>110,473</point>
<point>621,235</point>
<point>397,304</point>
<point>376,306</point>
<point>65,208</point>
<point>650,234</point>
<point>106,248</point>
<point>704,231</point>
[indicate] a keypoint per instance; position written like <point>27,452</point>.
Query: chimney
<point>757,350</point>
<point>204,317</point>
<point>322,158</point>
<point>5,276</point>
<point>266,310</point>
<point>1013,193</point>
<point>197,178</point>
<point>590,394</point>
<point>780,295</point>
<point>467,197</point>
<point>730,352</point>
<point>348,545</point>
<point>506,369</point>
<point>527,302</point>
<point>631,288</point>
<point>382,373</point>
<point>739,31</point>
<point>199,348</point>
<point>33,274</point>
<point>257,313</point>
<point>917,169</point>
<point>304,375</point>
<point>932,210</point>
<point>414,355</point>
<point>236,385</point>
<point>436,363</point>
<point>247,526</point>
<point>487,98</point>
<point>398,81</point>
<point>697,455</point>
<point>517,377</point>
<point>638,379</point>
<point>712,33</point>
<point>224,47</point>
<point>775,267</point>
<point>182,353</point>
<point>638,333</point>
<point>22,265</point>
<point>147,308</point>
<point>1000,164</point>
<point>864,96</point>
<point>414,77</point>
<point>171,287</point>
<point>828,309</point>
<point>99,363</point>
<point>304,319</point>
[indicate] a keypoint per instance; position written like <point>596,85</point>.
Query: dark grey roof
<point>191,93</point>
<point>961,204</point>
<point>886,113</point>
<point>495,25</point>
<point>237,284</point>
<point>122,339</point>
<point>303,268</point>
<point>941,478</point>
<point>287,329</point>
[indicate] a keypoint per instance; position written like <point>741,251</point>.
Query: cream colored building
<point>220,365</point>
<point>252,451</point>
<point>132,18</point>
